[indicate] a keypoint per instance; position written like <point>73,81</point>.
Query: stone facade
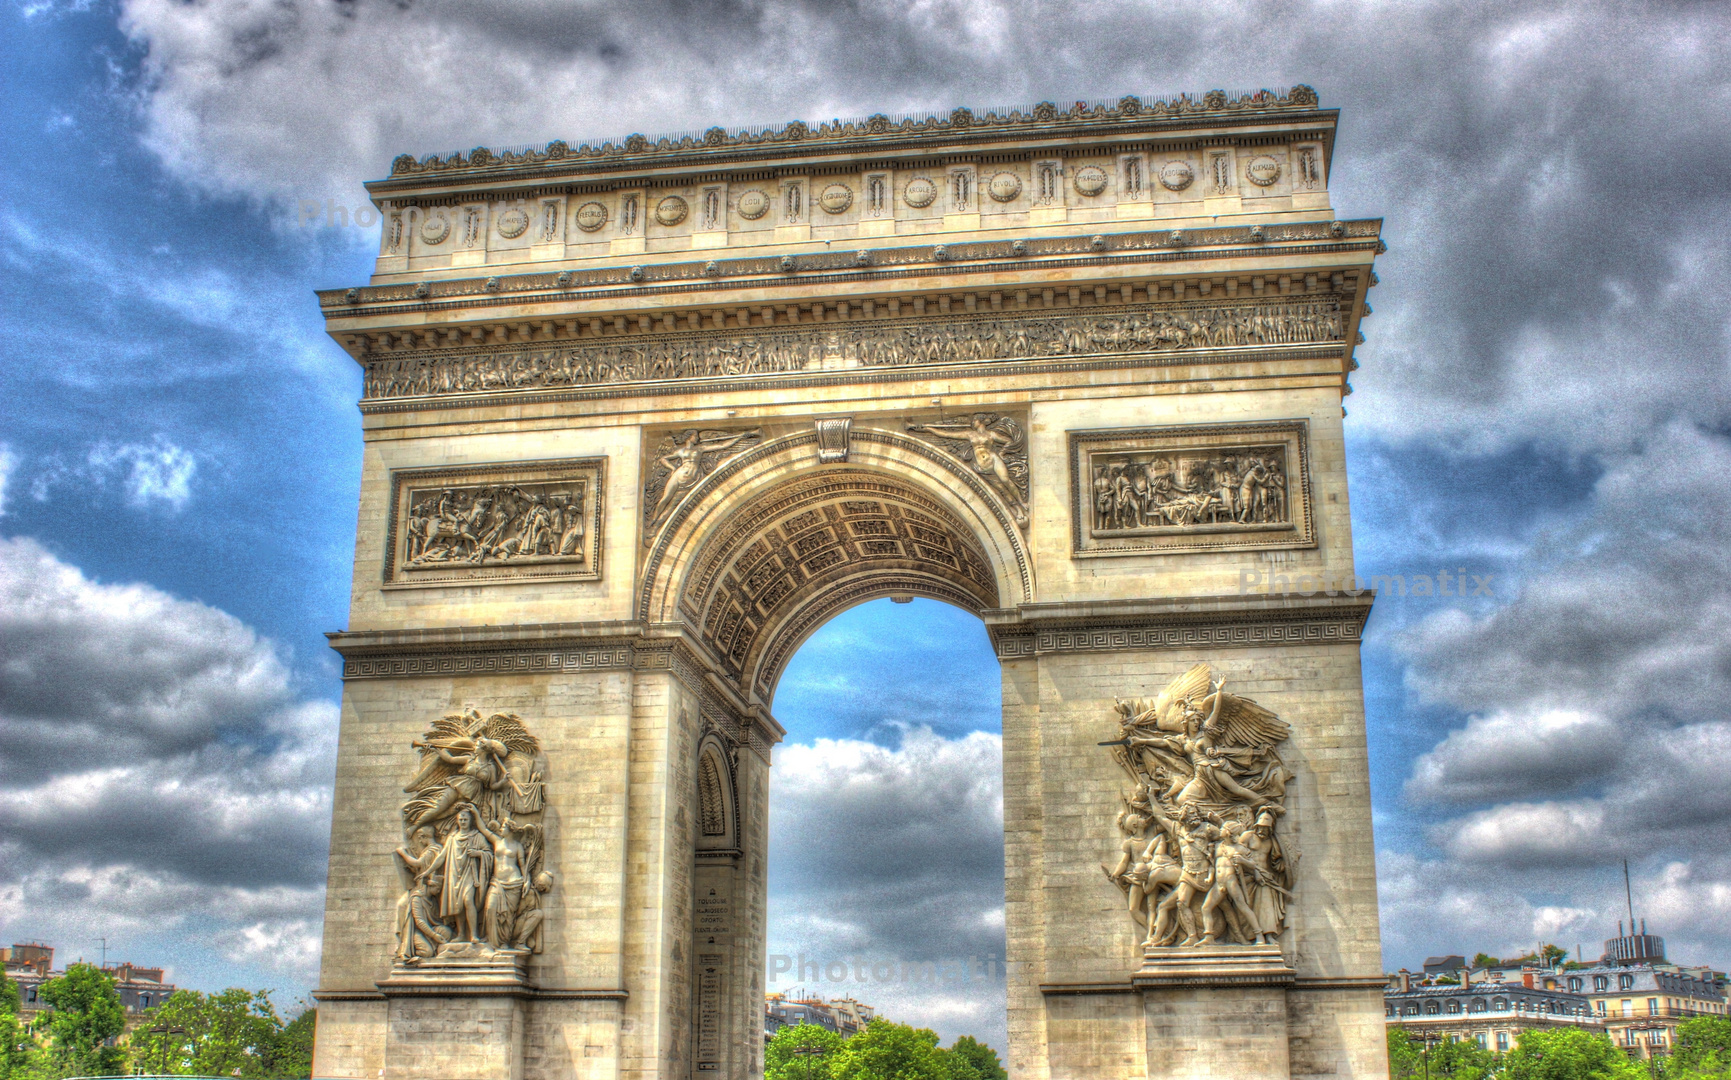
<point>640,417</point>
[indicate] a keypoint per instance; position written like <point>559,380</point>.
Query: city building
<point>1492,1014</point>
<point>1640,997</point>
<point>844,1016</point>
<point>30,965</point>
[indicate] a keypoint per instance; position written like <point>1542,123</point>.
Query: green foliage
<point>10,1002</point>
<point>1464,1060</point>
<point>86,1015</point>
<point>1563,1054</point>
<point>232,1033</point>
<point>14,1042</point>
<point>1702,1050</point>
<point>1552,955</point>
<point>1485,960</point>
<point>1446,980</point>
<point>800,1052</point>
<point>970,1059</point>
<point>886,1051</point>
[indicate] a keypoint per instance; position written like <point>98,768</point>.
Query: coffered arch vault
<point>773,544</point>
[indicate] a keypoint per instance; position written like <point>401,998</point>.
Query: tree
<point>86,1015</point>
<point>800,1052</point>
<point>1485,960</point>
<point>290,1053</point>
<point>13,1047</point>
<point>1552,955</point>
<point>232,1033</point>
<point>1403,1059</point>
<point>1462,1060</point>
<point>1702,1050</point>
<point>886,1051</point>
<point>1563,1054</point>
<point>970,1059</point>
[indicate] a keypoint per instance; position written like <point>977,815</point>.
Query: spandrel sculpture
<point>473,850</point>
<point>1199,860</point>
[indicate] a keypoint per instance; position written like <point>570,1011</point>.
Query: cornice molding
<point>876,134</point>
<point>1252,621</point>
<point>620,279</point>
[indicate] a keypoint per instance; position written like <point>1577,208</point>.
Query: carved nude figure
<point>989,440</point>
<point>685,466</point>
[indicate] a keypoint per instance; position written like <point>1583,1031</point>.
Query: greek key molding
<point>1144,329</point>
<point>512,662</point>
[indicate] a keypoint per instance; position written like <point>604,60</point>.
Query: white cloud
<point>894,856</point>
<point>158,774</point>
<point>8,463</point>
<point>155,472</point>
<point>1506,755</point>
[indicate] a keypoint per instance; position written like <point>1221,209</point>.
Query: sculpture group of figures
<point>497,523</point>
<point>1142,490</point>
<point>473,845</point>
<point>1200,862</point>
<point>775,350</point>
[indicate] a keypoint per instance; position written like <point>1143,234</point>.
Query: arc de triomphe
<point>641,416</point>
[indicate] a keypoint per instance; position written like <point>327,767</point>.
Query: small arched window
<point>1501,1004</point>
<point>1454,1007</point>
<point>1575,983</point>
<point>1625,982</point>
<point>1601,983</point>
<point>1431,1008</point>
<point>1478,1005</point>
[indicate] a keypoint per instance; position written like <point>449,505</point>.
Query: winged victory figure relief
<point>1199,861</point>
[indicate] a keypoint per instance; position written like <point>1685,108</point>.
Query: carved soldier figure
<point>414,857</point>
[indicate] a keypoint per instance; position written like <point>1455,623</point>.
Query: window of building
<point>1601,983</point>
<point>1502,1042</point>
<point>1477,1006</point>
<point>1501,1004</point>
<point>1480,1037</point>
<point>1628,1007</point>
<point>1454,1007</point>
<point>1625,982</point>
<point>1600,1005</point>
<point>1431,1008</point>
<point>1575,983</point>
<point>1652,1006</point>
<point>1389,1011</point>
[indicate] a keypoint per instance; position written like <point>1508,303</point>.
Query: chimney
<point>1527,979</point>
<point>1466,977</point>
<point>1405,980</point>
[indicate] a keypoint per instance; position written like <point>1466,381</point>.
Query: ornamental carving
<point>435,229</point>
<point>1190,489</point>
<point>872,128</point>
<point>590,216</point>
<point>1200,860</point>
<point>997,449</point>
<point>513,223</point>
<point>682,459</point>
<point>1090,180</point>
<point>753,204</point>
<point>1004,187</point>
<point>529,520</point>
<point>671,211</point>
<point>920,193</point>
<point>1263,170</point>
<point>471,861</point>
<point>886,343</point>
<point>1176,175</point>
<point>835,199</point>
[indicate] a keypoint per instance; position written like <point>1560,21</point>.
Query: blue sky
<point>1545,398</point>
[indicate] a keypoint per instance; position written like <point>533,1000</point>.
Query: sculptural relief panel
<point>536,519</point>
<point>471,858</point>
<point>1200,860</point>
<point>1181,489</point>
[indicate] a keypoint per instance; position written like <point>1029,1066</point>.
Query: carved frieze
<point>534,519</point>
<point>1180,489</point>
<point>887,343</point>
<point>1199,858</point>
<point>471,860</point>
<point>679,462</point>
